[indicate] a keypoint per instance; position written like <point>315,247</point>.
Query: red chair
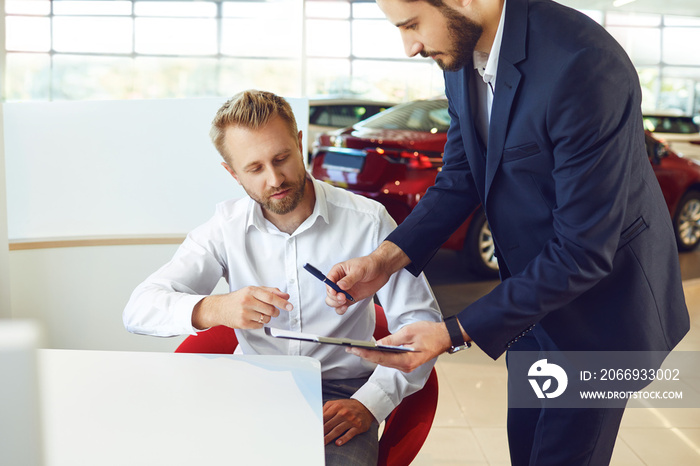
<point>406,428</point>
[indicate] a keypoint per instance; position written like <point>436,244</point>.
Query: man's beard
<point>289,203</point>
<point>464,34</point>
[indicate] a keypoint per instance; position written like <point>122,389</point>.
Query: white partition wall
<point>4,251</point>
<point>20,422</point>
<point>112,169</point>
<point>132,167</point>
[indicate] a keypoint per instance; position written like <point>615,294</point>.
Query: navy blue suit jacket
<point>584,239</point>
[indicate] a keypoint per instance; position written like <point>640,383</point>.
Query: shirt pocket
<point>512,154</point>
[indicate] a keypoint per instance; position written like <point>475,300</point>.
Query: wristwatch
<point>458,343</point>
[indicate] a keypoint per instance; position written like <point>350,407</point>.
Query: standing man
<point>260,244</point>
<point>546,133</point>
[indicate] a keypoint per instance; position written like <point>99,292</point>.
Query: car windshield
<point>423,115</point>
<point>671,124</point>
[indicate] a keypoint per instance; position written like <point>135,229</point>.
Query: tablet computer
<point>278,333</point>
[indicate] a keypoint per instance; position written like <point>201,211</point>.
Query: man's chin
<point>281,206</point>
<point>444,66</point>
<point>449,64</point>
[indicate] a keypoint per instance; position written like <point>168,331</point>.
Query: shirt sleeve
<point>162,305</point>
<point>405,299</point>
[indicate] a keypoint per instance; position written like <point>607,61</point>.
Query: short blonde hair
<point>250,109</point>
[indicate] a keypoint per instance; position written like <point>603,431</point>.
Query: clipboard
<point>278,333</point>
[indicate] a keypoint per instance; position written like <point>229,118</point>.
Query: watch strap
<point>455,332</point>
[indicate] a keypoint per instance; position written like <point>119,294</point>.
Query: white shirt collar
<point>255,217</point>
<point>487,63</point>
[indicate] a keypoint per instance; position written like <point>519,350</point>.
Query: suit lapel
<point>477,146</point>
<point>475,150</point>
<point>506,87</point>
<point>507,83</point>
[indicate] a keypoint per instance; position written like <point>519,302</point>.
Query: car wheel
<point>686,222</point>
<point>479,249</point>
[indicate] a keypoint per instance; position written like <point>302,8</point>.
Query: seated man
<point>259,244</point>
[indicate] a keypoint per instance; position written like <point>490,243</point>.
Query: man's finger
<point>333,434</point>
<point>394,339</point>
<point>276,291</point>
<point>339,298</point>
<point>336,273</point>
<point>377,357</point>
<point>332,423</point>
<point>331,301</point>
<point>337,301</point>
<point>347,282</point>
<point>273,297</point>
<point>343,276</point>
<point>395,360</point>
<point>347,436</point>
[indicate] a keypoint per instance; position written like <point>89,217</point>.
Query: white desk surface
<point>103,408</point>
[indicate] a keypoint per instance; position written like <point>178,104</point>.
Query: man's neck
<point>289,223</point>
<point>491,16</point>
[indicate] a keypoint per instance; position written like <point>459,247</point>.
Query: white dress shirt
<point>239,244</point>
<point>486,65</point>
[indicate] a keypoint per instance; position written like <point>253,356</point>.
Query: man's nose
<point>411,45</point>
<point>275,178</point>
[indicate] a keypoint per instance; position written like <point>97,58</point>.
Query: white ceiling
<point>668,7</point>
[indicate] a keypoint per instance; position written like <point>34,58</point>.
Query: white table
<point>104,408</point>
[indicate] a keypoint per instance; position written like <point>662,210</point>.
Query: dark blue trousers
<point>560,436</point>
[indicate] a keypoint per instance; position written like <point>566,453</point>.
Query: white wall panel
<point>5,310</point>
<point>105,168</point>
<point>78,294</point>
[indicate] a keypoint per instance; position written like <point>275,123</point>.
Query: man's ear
<point>230,170</point>
<point>299,136</point>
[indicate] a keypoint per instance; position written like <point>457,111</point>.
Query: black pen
<point>317,273</point>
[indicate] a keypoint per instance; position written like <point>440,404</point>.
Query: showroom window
<point>351,49</point>
<point>68,50</point>
<point>150,49</point>
<point>121,49</point>
<point>667,63</point>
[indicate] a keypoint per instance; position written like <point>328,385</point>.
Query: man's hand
<point>249,308</point>
<point>429,338</point>
<point>344,419</point>
<point>364,276</point>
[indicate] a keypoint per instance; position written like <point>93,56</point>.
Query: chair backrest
<point>406,428</point>
<point>216,340</point>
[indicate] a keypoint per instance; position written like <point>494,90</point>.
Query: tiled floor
<point>470,424</point>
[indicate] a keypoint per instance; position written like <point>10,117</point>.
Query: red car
<point>394,157</point>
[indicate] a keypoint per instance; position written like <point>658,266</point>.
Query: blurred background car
<point>395,156</point>
<point>681,132</point>
<point>327,114</point>
<point>679,178</point>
